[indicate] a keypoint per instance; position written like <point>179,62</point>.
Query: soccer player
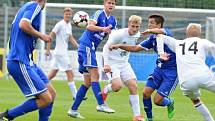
<point>163,78</point>
<point>100,25</point>
<point>116,63</point>
<point>61,61</point>
<point>28,76</point>
<point>193,73</point>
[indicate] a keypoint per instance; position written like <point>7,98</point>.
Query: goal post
<point>210,29</point>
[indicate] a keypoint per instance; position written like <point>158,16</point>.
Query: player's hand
<point>146,32</point>
<point>107,68</point>
<point>115,47</point>
<point>164,57</point>
<point>46,38</point>
<point>107,29</point>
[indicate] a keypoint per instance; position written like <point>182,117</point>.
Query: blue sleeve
<point>96,15</point>
<point>31,11</point>
<point>168,32</point>
<point>147,43</point>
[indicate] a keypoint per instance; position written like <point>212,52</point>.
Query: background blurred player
<point>163,79</point>
<point>63,32</point>
<point>193,73</point>
<point>116,63</point>
<point>98,28</point>
<point>30,78</point>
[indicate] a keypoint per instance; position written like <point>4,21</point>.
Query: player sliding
<point>193,73</point>
<point>117,67</point>
<point>164,77</point>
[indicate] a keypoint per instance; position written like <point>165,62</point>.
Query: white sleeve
<point>56,28</point>
<point>169,41</point>
<point>210,47</point>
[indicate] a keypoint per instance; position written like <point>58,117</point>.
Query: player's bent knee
<point>116,87</point>
<point>44,99</point>
<point>147,93</point>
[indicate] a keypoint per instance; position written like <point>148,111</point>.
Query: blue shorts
<point>86,58</point>
<point>30,79</point>
<point>163,80</point>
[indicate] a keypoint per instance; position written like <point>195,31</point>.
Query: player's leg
<point>190,89</point>
<point>71,83</point>
<point>167,86</point>
<point>31,85</point>
<point>102,107</point>
<point>52,74</point>
<point>45,113</point>
<point>115,85</point>
<point>129,79</point>
<point>73,112</point>
<point>134,99</point>
<point>152,83</point>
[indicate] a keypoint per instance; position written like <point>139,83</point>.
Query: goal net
<point>143,64</point>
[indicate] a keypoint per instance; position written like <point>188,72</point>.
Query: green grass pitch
<point>10,96</point>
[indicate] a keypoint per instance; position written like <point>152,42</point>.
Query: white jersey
<point>62,30</point>
<point>120,36</point>
<point>190,56</point>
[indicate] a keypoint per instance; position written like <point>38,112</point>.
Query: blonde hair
<point>135,19</point>
<point>67,9</point>
<point>193,30</point>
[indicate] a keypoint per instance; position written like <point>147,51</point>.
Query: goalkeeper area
<point>184,111</point>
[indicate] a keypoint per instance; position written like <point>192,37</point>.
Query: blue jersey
<point>21,43</point>
<point>93,38</point>
<point>150,42</point>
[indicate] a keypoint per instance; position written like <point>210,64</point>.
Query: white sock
<point>135,104</point>
<point>108,89</point>
<point>72,88</point>
<point>204,111</point>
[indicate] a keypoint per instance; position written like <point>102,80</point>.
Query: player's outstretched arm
<point>27,28</point>
<point>131,48</point>
<point>153,31</point>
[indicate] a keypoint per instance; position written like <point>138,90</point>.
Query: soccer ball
<point>80,19</point>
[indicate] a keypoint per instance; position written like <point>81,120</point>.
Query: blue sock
<point>166,101</point>
<point>79,97</point>
<point>97,92</point>
<point>44,113</point>
<point>148,107</point>
<point>28,106</point>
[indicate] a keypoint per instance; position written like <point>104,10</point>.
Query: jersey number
<point>193,47</point>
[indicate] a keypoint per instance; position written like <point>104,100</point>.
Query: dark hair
<point>159,19</point>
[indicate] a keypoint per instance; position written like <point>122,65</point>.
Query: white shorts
<point>61,62</point>
<point>191,87</point>
<point>124,72</point>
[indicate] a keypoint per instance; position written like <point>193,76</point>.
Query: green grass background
<point>10,96</point>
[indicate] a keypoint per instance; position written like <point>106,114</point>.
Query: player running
<point>117,67</point>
